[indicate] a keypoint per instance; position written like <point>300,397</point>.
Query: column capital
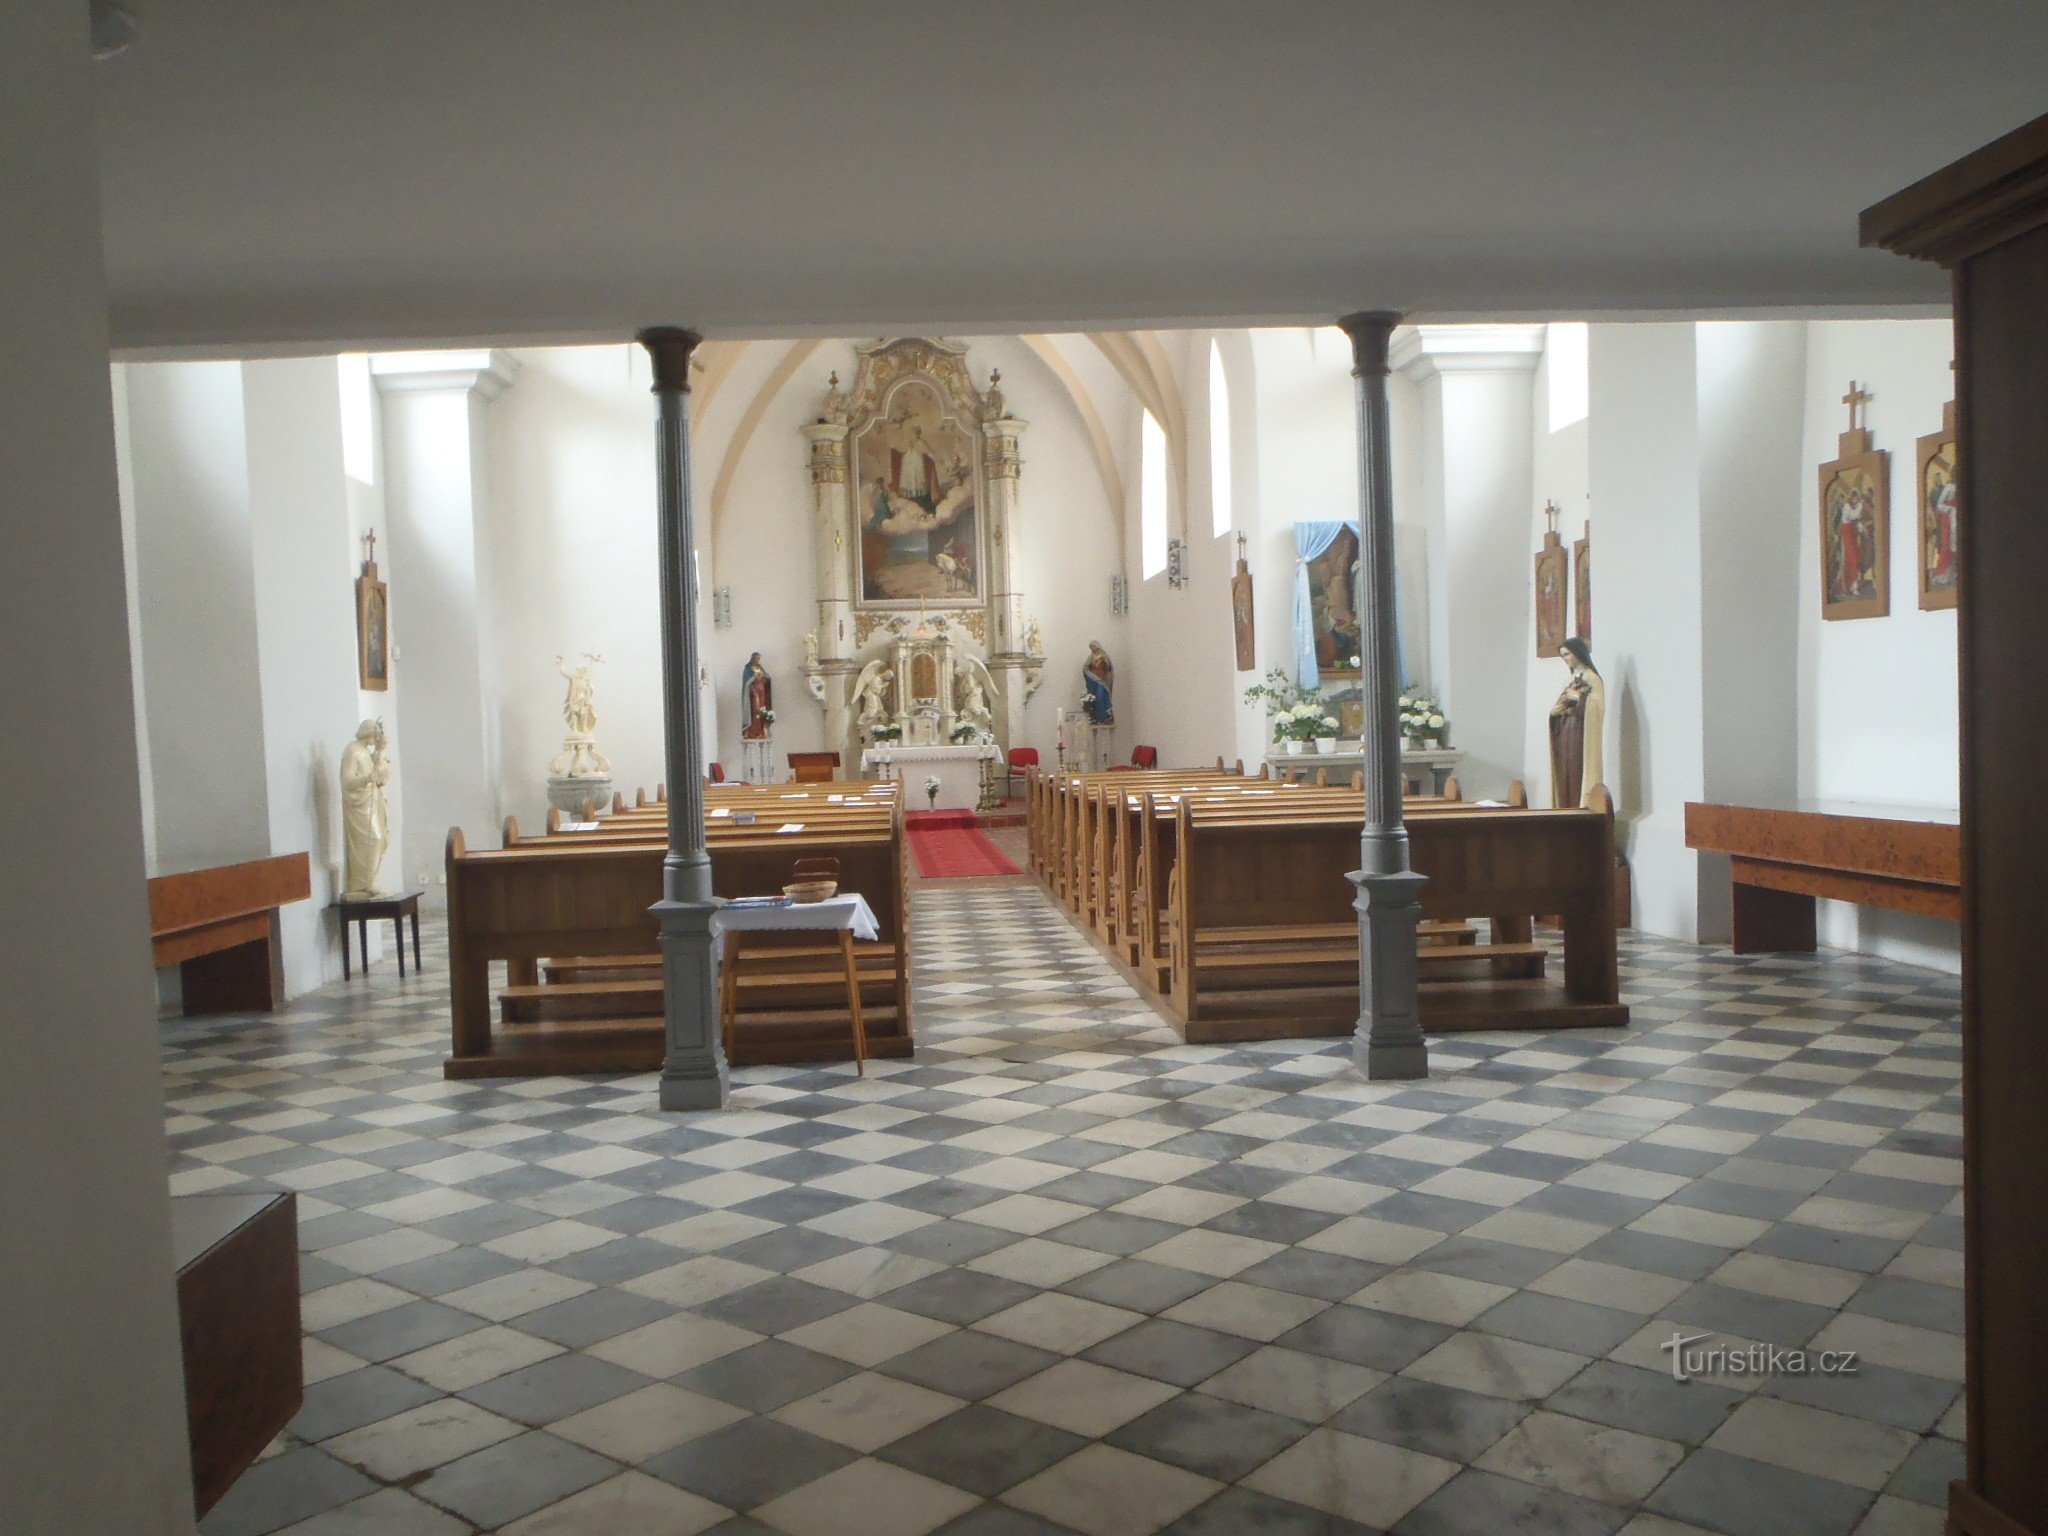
<point>1423,352</point>
<point>1369,330</point>
<point>483,373</point>
<point>670,346</point>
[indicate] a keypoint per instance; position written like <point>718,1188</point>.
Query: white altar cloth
<point>957,768</point>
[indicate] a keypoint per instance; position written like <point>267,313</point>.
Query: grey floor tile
<point>969,1365</point>
<point>1476,1501</point>
<point>283,1490</point>
<point>982,1449</point>
<point>1241,1512</point>
<point>1424,1416</point>
<point>1173,1352</point>
<point>1210,1435</point>
<point>350,1401</point>
<point>513,1478</point>
<point>1740,1497</point>
<point>748,1463</point>
<point>1363,1336</point>
<point>1647,1402</point>
<point>555,1388</point>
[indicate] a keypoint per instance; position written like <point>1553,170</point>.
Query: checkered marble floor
<point>1061,1273</point>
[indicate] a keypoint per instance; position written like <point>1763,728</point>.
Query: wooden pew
<point>579,901</point>
<point>1263,939</point>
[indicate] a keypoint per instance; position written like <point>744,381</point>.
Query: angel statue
<point>811,648</point>
<point>975,687</point>
<point>1034,641</point>
<point>871,689</point>
<point>579,710</point>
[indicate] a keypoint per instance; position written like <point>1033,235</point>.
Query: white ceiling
<point>284,173</point>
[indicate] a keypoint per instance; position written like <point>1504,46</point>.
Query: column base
<point>1388,1045</point>
<point>693,1072</point>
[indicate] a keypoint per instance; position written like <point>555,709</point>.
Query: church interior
<point>776,844</point>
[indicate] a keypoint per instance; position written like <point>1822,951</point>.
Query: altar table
<point>957,768</point>
<point>1782,856</point>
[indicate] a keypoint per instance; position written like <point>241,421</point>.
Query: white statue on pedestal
<point>365,811</point>
<point>580,774</point>
<point>975,687</point>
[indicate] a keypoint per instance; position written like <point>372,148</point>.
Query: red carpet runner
<point>950,845</point>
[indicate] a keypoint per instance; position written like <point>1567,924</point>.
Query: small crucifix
<point>370,548</point>
<point>1856,399</point>
<point>1550,516</point>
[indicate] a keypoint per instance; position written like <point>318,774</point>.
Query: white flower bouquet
<point>1422,718</point>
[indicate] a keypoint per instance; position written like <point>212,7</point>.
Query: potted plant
<point>888,733</point>
<point>1326,734</point>
<point>1422,719</point>
<point>1297,713</point>
<point>965,731</point>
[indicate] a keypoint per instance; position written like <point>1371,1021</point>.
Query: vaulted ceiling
<point>360,172</point>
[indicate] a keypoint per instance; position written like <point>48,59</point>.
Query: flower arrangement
<point>1422,718</point>
<point>888,733</point>
<point>965,731</point>
<point>766,717</point>
<point>1297,713</point>
<point>931,790</point>
<point>1088,705</point>
<point>1303,722</point>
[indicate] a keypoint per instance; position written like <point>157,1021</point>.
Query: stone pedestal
<point>757,759</point>
<point>571,795</point>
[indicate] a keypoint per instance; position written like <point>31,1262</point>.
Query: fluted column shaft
<point>1388,1041</point>
<point>693,1074</point>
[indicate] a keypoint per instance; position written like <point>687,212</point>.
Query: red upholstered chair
<point>716,773</point>
<point>1144,757</point>
<point>1022,761</point>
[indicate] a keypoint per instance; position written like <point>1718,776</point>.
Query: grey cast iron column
<point>1389,1041</point>
<point>693,1073</point>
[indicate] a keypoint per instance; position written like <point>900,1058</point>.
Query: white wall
<point>1878,697</point>
<point>197,604</point>
<point>571,564</point>
<point>1643,472</point>
<point>302,549</point>
<point>92,1396</point>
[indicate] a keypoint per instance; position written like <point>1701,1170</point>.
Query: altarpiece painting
<point>917,479</point>
<point>1553,582</point>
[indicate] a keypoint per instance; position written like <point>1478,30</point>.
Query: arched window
<point>1152,495</point>
<point>1219,441</point>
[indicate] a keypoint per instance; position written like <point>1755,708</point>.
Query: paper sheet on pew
<point>850,910</point>
<point>718,811</point>
<point>580,826</point>
<point>1496,804</point>
<point>791,826</point>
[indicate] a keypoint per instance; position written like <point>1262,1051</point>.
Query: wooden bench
<point>1263,940</point>
<point>569,915</point>
<point>1781,857</point>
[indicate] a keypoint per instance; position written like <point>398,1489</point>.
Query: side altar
<point>922,638</point>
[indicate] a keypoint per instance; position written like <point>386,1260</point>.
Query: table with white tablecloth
<point>958,769</point>
<point>848,915</point>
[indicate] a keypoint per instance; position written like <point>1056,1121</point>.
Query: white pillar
<point>437,499</point>
<point>831,680</point>
<point>1015,670</point>
<point>1476,386</point>
<point>93,1395</point>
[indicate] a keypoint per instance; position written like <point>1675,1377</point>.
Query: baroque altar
<point>922,635</point>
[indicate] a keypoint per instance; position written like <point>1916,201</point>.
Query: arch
<point>735,449</point>
<point>1048,352</point>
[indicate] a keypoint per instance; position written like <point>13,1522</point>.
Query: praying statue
<point>871,692</point>
<point>757,699</point>
<point>1098,675</point>
<point>365,811</point>
<point>1577,729</point>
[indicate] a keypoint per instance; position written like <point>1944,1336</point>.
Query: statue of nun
<point>1577,729</point>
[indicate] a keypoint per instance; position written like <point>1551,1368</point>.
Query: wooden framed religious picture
<point>1552,579</point>
<point>1935,497</point>
<point>1582,584</point>
<point>1241,612</point>
<point>1333,606</point>
<point>373,623</point>
<point>1855,522</point>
